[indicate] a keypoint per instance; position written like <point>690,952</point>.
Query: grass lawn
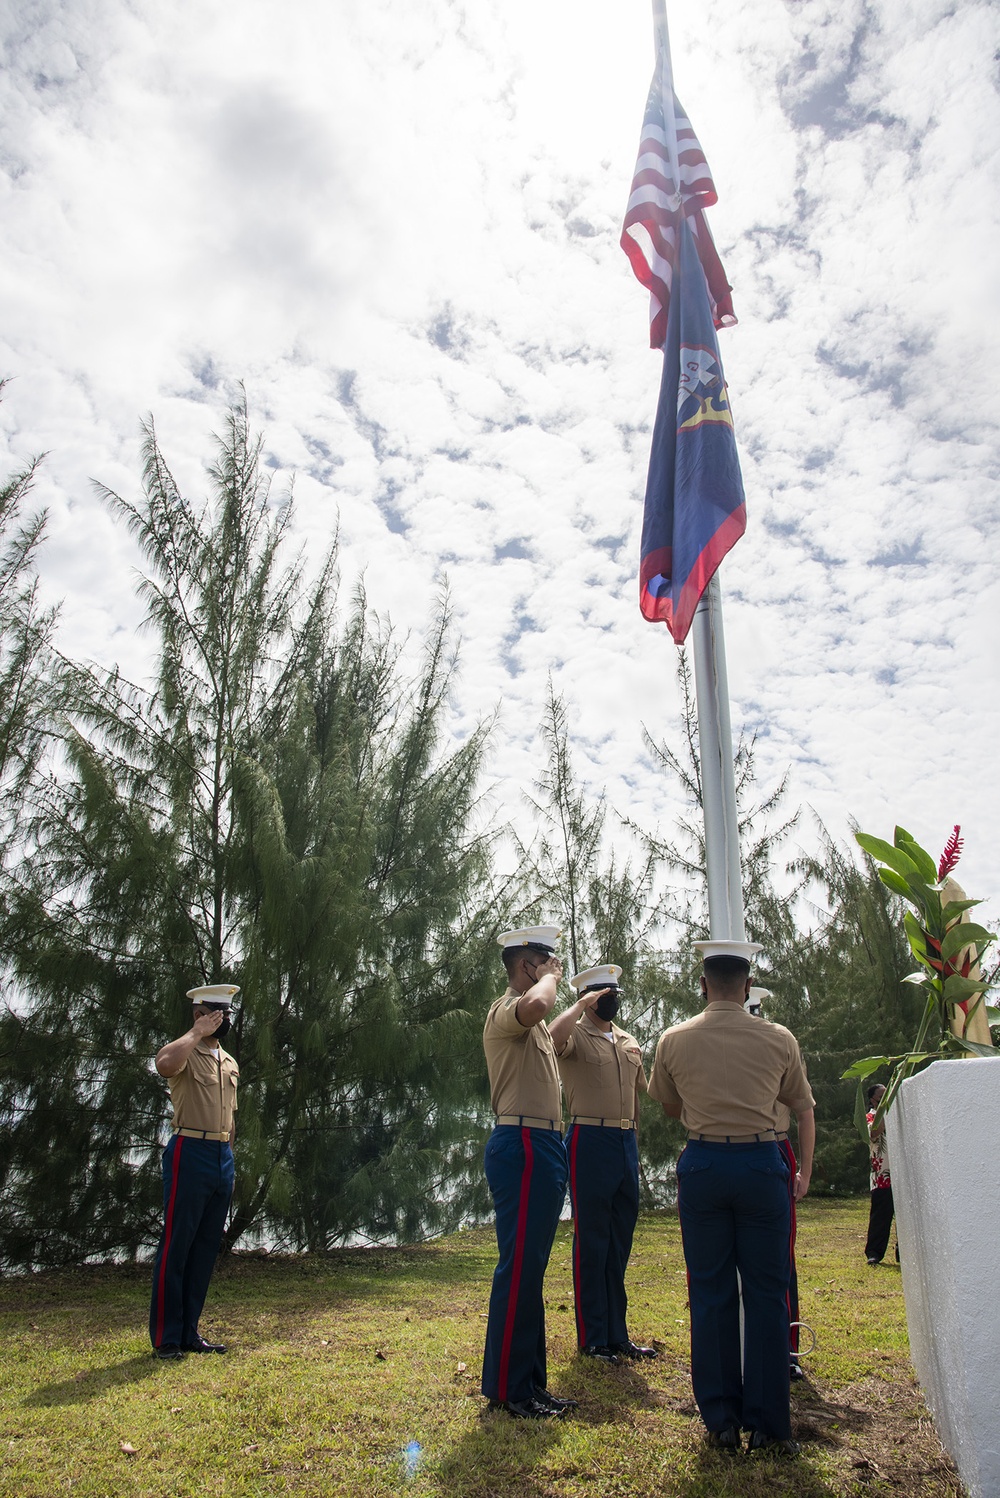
<point>338,1365</point>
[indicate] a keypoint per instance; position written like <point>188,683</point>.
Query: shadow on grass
<point>712,1474</point>
<point>91,1383</point>
<point>499,1455</point>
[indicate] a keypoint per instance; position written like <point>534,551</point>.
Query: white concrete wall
<point>944,1158</point>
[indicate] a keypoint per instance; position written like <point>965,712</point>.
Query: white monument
<point>944,1158</point>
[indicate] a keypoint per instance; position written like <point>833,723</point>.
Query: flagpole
<point>715,735</point>
<point>662,37</point>
<point>718,775</point>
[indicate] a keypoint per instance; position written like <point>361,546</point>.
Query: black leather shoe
<point>795,1370</point>
<point>603,1354</point>
<point>555,1402</point>
<point>526,1409</point>
<point>168,1353</point>
<point>725,1440</point>
<point>771,1445</point>
<point>633,1350</point>
<point>202,1346</point>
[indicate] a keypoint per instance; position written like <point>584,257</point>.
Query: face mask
<point>224,1027</point>
<point>607,1005</point>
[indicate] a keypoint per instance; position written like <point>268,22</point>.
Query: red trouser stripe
<point>581,1330</point>
<point>161,1288</point>
<point>515,1278</point>
<point>785,1146</point>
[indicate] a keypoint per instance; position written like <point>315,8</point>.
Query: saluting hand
<point>550,965</point>
<point>206,1024</point>
<point>591,1000</point>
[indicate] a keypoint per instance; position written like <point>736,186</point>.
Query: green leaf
<point>886,853</point>
<point>955,907</point>
<point>861,1113</point>
<point>916,933</point>
<point>896,883</point>
<point>957,989</point>
<point>973,1046</point>
<point>926,866</point>
<point>992,1015</point>
<point>866,1067</point>
<point>964,934</point>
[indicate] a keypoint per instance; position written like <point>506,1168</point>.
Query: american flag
<point>656,206</point>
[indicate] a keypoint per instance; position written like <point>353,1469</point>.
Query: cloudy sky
<point>398,225</point>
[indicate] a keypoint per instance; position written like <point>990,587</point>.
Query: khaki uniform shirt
<point>600,1072</point>
<point>524,1078</point>
<point>203,1092</point>
<point>729,1071</point>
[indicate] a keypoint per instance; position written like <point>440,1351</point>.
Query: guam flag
<point>695,506</point>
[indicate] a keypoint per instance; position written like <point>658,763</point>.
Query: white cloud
<point>399,225</point>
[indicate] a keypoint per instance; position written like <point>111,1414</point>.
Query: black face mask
<point>607,1005</point>
<point>225,1026</point>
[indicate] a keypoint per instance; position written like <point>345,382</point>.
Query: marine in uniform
<point>526,1170</point>
<point>725,1074</point>
<point>753,1006</point>
<point>197,1173</point>
<point>601,1070</point>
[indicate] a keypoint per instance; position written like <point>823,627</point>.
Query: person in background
<point>725,1074</point>
<point>881,1210</point>
<point>754,1006</point>
<point>526,1169</point>
<point>197,1172</point>
<point>602,1075</point>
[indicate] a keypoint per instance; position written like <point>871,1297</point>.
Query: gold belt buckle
<point>626,1123</point>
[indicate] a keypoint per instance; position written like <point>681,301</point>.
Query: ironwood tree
<point>277,809</point>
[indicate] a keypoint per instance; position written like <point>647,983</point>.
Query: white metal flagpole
<point>718,776</point>
<point>666,75</point>
<point>715,736</point>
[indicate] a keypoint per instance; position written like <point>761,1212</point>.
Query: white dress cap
<point>757,995</point>
<point>745,950</point>
<point>213,993</point>
<point>597,977</point>
<point>543,937</point>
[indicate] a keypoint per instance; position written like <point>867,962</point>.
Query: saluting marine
<point>526,1169</point>
<point>197,1172</point>
<point>726,1075</point>
<point>602,1075</point>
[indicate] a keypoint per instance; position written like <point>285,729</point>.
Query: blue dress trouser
<point>733,1206</point>
<point>197,1189</point>
<point>526,1171</point>
<point>604,1190</point>
<point>785,1146</point>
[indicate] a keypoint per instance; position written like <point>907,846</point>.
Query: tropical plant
<point>949,948</point>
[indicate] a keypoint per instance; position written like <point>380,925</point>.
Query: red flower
<point>952,853</point>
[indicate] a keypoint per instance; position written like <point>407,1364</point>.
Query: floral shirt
<point>879,1157</point>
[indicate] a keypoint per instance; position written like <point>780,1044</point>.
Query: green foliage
<point>275,811</point>
<point>763,829</point>
<point>938,936</point>
<point>610,907</point>
<point>842,983</point>
<point>27,669</point>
